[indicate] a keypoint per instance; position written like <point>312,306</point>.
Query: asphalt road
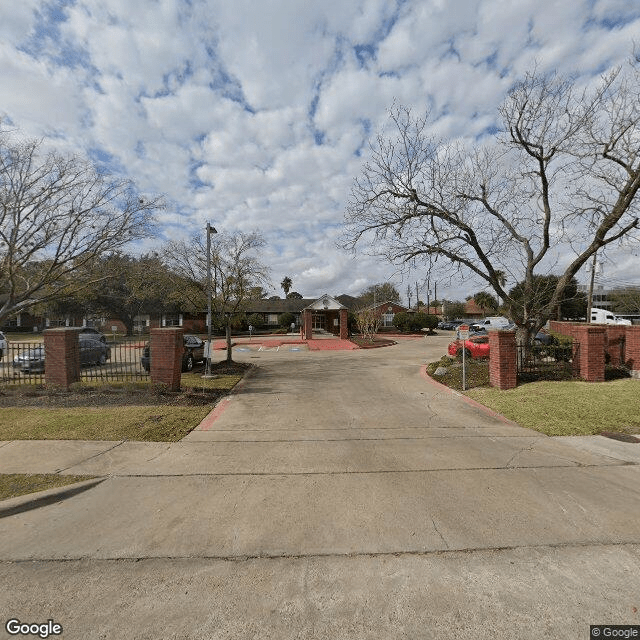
<point>338,495</point>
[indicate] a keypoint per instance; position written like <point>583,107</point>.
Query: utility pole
<point>210,230</point>
<point>590,296</point>
<point>409,294</point>
<point>417,298</point>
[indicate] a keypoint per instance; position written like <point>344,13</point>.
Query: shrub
<point>286,319</point>
<point>414,321</point>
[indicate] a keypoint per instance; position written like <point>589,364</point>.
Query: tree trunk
<point>228,331</point>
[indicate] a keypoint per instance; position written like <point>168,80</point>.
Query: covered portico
<point>325,314</point>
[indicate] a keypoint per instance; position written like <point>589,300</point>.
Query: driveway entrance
<point>338,495</point>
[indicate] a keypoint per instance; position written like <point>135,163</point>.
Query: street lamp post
<point>210,230</point>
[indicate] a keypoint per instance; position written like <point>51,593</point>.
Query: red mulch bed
<point>377,342</point>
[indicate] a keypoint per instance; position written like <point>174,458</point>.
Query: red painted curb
<point>207,422</point>
<point>467,399</point>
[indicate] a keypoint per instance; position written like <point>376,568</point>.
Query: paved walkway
<point>320,342</point>
<point>339,495</point>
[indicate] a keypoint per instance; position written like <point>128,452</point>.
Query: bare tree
<point>58,216</point>
<point>625,300</point>
<point>236,272</point>
<point>559,183</point>
<point>368,321</point>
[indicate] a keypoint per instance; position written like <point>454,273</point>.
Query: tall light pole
<point>210,230</point>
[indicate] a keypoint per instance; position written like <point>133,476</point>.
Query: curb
<point>470,401</point>
<point>207,422</point>
<point>30,501</point>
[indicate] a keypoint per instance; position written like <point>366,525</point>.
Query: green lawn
<point>120,414</point>
<point>568,408</point>
<point>156,423</point>
<point>18,484</point>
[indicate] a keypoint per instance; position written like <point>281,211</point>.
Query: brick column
<point>167,347</point>
<point>632,350</point>
<point>591,339</point>
<point>344,329</point>
<point>307,321</point>
<point>61,356</point>
<point>503,370</point>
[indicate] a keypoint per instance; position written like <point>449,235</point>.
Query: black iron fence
<point>548,362</point>
<point>24,362</point>
<point>122,363</point>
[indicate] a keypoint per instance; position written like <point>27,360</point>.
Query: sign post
<point>463,334</point>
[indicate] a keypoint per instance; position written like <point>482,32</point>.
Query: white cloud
<point>257,115</point>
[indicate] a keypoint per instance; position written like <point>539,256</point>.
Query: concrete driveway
<point>338,495</point>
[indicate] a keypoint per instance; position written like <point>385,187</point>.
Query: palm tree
<point>485,301</point>
<point>286,285</point>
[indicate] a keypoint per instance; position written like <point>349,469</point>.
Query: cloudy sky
<point>256,114</point>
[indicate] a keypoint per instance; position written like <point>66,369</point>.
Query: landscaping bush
<point>286,319</point>
<point>411,322</point>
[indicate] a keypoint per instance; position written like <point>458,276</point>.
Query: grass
<point>156,423</point>
<point>568,408</point>
<point>119,411</point>
<point>477,372</point>
<point>17,484</point>
<point>222,382</point>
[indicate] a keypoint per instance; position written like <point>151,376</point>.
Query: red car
<point>476,347</point>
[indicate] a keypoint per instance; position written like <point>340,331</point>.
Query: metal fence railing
<point>24,362</point>
<point>122,363</point>
<point>548,362</point>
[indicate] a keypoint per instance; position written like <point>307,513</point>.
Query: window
<point>172,320</point>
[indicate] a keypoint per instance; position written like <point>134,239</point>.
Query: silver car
<point>92,351</point>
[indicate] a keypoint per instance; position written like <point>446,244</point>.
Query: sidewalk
<point>336,495</point>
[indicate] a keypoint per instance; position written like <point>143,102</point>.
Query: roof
<point>325,302</point>
<point>288,305</point>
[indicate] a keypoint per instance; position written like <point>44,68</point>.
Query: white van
<point>603,316</point>
<point>492,322</point>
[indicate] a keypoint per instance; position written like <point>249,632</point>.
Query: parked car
<point>92,352</point>
<point>451,325</point>
<point>4,345</point>
<point>542,337</point>
<point>475,347</point>
<point>90,331</point>
<point>193,352</point>
<point>492,322</point>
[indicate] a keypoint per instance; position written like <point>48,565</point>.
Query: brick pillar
<point>308,324</point>
<point>344,329</point>
<point>503,370</point>
<point>632,350</point>
<point>61,356</point>
<point>167,347</point>
<point>591,339</point>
